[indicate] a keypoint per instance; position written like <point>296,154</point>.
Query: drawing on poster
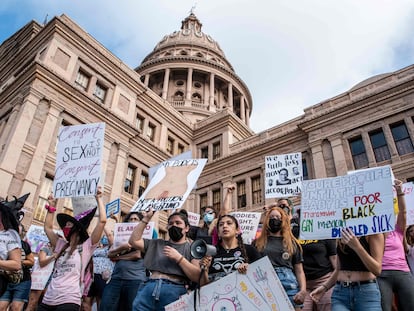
<point>362,201</point>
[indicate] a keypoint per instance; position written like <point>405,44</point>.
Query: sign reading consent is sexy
<point>362,201</point>
<point>78,160</point>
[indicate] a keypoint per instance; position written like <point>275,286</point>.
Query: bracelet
<point>179,260</point>
<point>400,194</point>
<point>50,209</point>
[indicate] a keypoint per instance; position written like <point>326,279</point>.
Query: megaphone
<point>199,249</point>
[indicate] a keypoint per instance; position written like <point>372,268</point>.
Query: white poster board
<point>283,175</point>
<point>113,207</point>
<point>171,185</point>
<point>83,204</point>
<point>193,219</point>
<point>248,223</point>
<point>362,201</point>
<point>40,276</point>
<point>79,160</point>
<point>123,231</point>
<point>258,289</point>
<point>409,201</point>
<point>37,238</point>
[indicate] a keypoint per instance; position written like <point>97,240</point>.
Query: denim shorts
<point>288,279</point>
<point>17,292</point>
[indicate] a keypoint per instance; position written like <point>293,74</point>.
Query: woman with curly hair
<point>232,255</point>
<point>278,243</point>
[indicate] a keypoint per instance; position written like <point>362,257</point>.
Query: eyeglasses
<point>285,208</point>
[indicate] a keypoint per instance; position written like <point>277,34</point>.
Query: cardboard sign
<point>193,219</point>
<point>259,289</point>
<point>171,185</point>
<point>79,160</point>
<point>283,175</point>
<point>362,201</point>
<point>123,231</point>
<point>409,201</point>
<point>248,223</point>
<point>113,207</point>
<point>37,238</point>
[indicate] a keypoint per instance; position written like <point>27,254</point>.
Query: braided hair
<point>239,238</point>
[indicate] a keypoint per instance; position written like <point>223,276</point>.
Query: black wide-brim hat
<point>80,222</point>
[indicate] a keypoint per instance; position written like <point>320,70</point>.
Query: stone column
<point>368,149</point>
<point>242,108</point>
<point>390,142</point>
<point>119,171</point>
<point>338,155</point>
<point>165,84</point>
<point>318,160</point>
<point>247,116</point>
<point>211,95</point>
<point>146,79</point>
<point>230,96</point>
<point>189,87</point>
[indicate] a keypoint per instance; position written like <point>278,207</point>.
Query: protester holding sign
<point>410,247</point>
<point>127,275</point>
<point>358,264</point>
<point>232,255</point>
<point>65,289</point>
<point>170,263</point>
<point>395,277</point>
<point>278,243</point>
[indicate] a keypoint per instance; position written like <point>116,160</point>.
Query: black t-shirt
<point>227,261</point>
<point>316,255</point>
<point>26,270</point>
<point>349,259</point>
<point>197,233</point>
<point>277,254</point>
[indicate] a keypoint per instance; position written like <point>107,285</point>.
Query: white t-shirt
<point>64,286</point>
<point>9,240</point>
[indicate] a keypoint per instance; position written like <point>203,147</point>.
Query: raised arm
<point>227,208</point>
<point>97,232</point>
<point>136,240</point>
<point>402,214</point>
<point>48,225</point>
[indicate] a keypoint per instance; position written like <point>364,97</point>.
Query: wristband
<point>50,209</point>
<point>179,260</point>
<point>400,194</point>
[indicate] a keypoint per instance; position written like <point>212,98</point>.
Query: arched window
<point>178,95</point>
<point>196,97</point>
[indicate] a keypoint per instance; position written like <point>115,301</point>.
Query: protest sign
<point>409,201</point>
<point>40,276</point>
<point>193,219</point>
<point>79,160</point>
<point>283,175</point>
<point>84,204</point>
<point>171,185</point>
<point>258,289</point>
<point>37,238</point>
<point>113,207</point>
<point>248,223</point>
<point>362,201</point>
<point>123,231</point>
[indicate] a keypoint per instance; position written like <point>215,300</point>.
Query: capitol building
<point>185,96</point>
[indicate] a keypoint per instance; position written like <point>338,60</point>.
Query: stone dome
<point>189,41</point>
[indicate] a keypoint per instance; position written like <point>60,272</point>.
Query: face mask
<point>208,218</point>
<point>175,233</point>
<point>104,240</point>
<point>66,232</point>
<point>275,225</point>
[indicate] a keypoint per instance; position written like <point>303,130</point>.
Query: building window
<point>305,170</point>
<point>82,79</point>
<point>216,150</point>
<point>151,131</point>
<point>170,145</point>
<point>379,145</point>
<point>358,152</point>
<point>45,189</point>
<point>139,122</point>
<point>180,148</point>
<point>203,201</point>
<point>204,152</point>
<point>129,180</point>
<point>143,183</point>
<point>217,199</point>
<point>241,194</point>
<point>100,92</point>
<point>256,190</point>
<point>402,138</point>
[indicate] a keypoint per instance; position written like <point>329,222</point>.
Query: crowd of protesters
<point>352,273</point>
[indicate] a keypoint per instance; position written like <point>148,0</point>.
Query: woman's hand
<point>242,268</point>
<point>205,262</point>
<point>349,238</point>
<point>299,298</point>
<point>317,293</point>
<point>51,200</point>
<point>98,193</point>
<point>172,253</point>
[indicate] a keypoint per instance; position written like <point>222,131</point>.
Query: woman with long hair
<point>232,255</point>
<point>74,251</point>
<point>409,235</point>
<point>171,265</point>
<point>278,243</point>
<point>358,264</point>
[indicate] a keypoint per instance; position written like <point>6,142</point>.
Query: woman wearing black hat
<point>64,291</point>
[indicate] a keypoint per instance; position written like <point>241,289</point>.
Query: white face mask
<point>208,218</point>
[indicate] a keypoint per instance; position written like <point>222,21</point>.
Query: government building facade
<point>184,96</point>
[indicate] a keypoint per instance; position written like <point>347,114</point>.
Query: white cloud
<point>291,54</point>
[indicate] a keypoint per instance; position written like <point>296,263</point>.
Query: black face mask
<point>175,233</point>
<point>275,225</point>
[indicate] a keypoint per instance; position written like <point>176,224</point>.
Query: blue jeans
<point>402,284</point>
<point>119,295</point>
<point>288,279</point>
<point>365,297</point>
<point>17,292</point>
<point>154,295</point>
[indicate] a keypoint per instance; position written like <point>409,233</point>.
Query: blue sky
<point>291,54</point>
